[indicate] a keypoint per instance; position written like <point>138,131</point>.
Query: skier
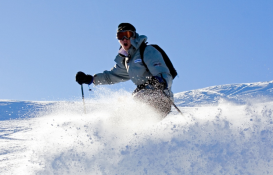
<point>153,84</point>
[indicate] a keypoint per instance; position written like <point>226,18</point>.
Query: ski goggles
<point>125,34</point>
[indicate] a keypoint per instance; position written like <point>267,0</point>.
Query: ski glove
<point>158,82</point>
<point>82,78</point>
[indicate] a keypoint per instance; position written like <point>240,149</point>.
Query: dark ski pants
<point>156,99</point>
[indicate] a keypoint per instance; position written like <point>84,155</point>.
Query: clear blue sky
<point>44,43</point>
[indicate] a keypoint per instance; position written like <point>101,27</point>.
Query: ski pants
<point>157,99</point>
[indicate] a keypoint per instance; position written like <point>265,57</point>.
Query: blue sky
<point>44,43</point>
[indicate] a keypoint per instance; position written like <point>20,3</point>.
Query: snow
<point>224,129</point>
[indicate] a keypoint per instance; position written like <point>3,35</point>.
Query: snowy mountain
<point>237,93</point>
<point>224,129</point>
<point>20,109</point>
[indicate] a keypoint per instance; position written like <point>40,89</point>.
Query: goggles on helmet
<point>125,34</point>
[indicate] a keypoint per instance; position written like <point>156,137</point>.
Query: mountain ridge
<point>237,93</point>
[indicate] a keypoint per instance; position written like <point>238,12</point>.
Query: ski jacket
<point>129,66</point>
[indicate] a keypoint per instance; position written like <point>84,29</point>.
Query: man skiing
<point>153,81</point>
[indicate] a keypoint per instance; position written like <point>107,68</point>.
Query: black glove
<point>158,82</point>
<point>82,78</point>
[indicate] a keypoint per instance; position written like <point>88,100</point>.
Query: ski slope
<point>224,129</point>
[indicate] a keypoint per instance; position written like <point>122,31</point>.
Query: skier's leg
<point>156,99</point>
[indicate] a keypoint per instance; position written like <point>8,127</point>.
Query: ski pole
<point>176,107</point>
<point>172,103</point>
<point>83,100</point>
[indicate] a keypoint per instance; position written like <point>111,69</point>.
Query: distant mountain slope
<point>234,92</point>
<point>20,109</point>
<point>237,93</point>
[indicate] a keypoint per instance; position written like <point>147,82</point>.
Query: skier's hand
<point>82,78</point>
<point>158,83</point>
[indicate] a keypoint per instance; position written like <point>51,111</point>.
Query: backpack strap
<point>166,59</point>
<point>141,50</point>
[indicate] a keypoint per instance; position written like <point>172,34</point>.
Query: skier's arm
<point>117,74</point>
<point>156,64</point>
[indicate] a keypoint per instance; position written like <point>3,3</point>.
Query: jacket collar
<point>136,42</point>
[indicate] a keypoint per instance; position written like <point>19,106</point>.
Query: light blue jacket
<point>130,67</point>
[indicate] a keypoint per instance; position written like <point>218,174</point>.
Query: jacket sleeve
<point>156,64</point>
<point>117,74</point>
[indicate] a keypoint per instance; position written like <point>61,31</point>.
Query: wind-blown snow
<point>224,130</point>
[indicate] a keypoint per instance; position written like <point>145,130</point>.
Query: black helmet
<point>126,26</point>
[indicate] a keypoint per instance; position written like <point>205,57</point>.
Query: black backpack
<point>164,55</point>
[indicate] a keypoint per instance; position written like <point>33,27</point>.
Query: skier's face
<point>125,44</point>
